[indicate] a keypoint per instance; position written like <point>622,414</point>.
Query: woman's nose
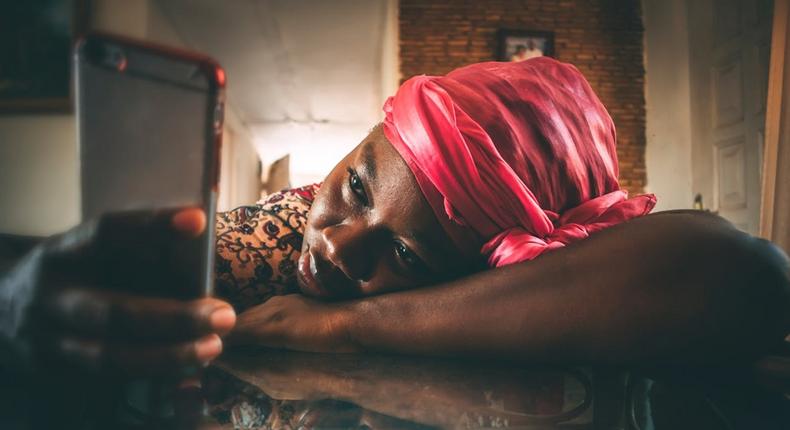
<point>350,248</point>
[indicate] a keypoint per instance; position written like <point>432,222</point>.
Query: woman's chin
<point>311,290</point>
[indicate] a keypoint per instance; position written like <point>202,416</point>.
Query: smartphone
<point>149,125</point>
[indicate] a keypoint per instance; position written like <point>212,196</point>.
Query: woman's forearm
<point>669,287</point>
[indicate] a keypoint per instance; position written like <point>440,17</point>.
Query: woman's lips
<point>306,275</point>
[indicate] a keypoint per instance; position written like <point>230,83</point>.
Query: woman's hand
<point>295,322</point>
<point>96,297</point>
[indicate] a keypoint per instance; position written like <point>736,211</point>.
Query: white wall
<point>39,191</point>
<point>314,148</point>
<point>240,182</point>
<point>126,17</point>
<point>668,121</point>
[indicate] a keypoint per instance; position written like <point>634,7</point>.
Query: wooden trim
<point>773,116</point>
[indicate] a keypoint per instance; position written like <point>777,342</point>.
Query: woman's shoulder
<point>288,208</point>
<point>692,216</point>
<point>258,246</point>
<point>302,195</point>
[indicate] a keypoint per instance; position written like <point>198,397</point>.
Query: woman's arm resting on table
<point>672,286</point>
<point>669,287</point>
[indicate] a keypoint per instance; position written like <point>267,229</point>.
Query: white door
<point>729,48</point>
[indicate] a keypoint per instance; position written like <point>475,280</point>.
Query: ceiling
<point>305,77</point>
<point>291,60</point>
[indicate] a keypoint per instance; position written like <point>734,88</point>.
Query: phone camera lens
<point>116,58</point>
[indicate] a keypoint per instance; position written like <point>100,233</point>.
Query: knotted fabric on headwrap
<point>519,157</point>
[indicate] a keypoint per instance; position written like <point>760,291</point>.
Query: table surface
<point>263,389</point>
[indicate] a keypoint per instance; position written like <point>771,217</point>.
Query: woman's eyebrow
<point>369,160</point>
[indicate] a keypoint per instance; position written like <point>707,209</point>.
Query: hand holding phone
<point>126,290</point>
<point>64,305</point>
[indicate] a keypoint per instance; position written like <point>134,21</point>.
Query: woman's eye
<point>355,183</point>
<point>405,254</point>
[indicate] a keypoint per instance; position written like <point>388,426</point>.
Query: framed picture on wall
<point>36,38</point>
<point>520,45</point>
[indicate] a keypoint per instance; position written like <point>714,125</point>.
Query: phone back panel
<point>149,125</point>
<point>146,126</point>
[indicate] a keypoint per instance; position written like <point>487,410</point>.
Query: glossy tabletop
<point>264,389</point>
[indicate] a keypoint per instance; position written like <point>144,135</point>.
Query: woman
<point>494,165</point>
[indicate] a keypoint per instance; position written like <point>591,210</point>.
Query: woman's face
<point>370,230</point>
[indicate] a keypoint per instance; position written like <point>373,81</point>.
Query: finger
<point>190,222</point>
<point>116,315</point>
<point>139,359</point>
<point>148,237</point>
<point>123,225</point>
<point>159,253</point>
<point>130,225</point>
<point>257,326</point>
<point>123,243</point>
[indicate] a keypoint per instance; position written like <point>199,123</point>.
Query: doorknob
<point>698,205</point>
<point>698,202</point>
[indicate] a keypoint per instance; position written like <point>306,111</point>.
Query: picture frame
<point>36,40</point>
<point>519,45</point>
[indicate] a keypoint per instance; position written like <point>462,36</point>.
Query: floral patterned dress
<point>258,247</point>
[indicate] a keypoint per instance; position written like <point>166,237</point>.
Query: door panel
<point>731,164</point>
<point>729,52</point>
<point>727,93</point>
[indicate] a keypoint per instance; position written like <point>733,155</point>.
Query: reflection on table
<point>266,389</point>
<point>276,389</point>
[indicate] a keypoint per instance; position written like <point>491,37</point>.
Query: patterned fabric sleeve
<point>258,247</point>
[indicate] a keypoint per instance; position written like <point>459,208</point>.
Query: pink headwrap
<point>519,157</point>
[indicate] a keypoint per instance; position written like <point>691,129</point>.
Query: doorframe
<point>777,131</point>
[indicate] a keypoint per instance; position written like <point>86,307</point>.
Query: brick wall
<point>603,38</point>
